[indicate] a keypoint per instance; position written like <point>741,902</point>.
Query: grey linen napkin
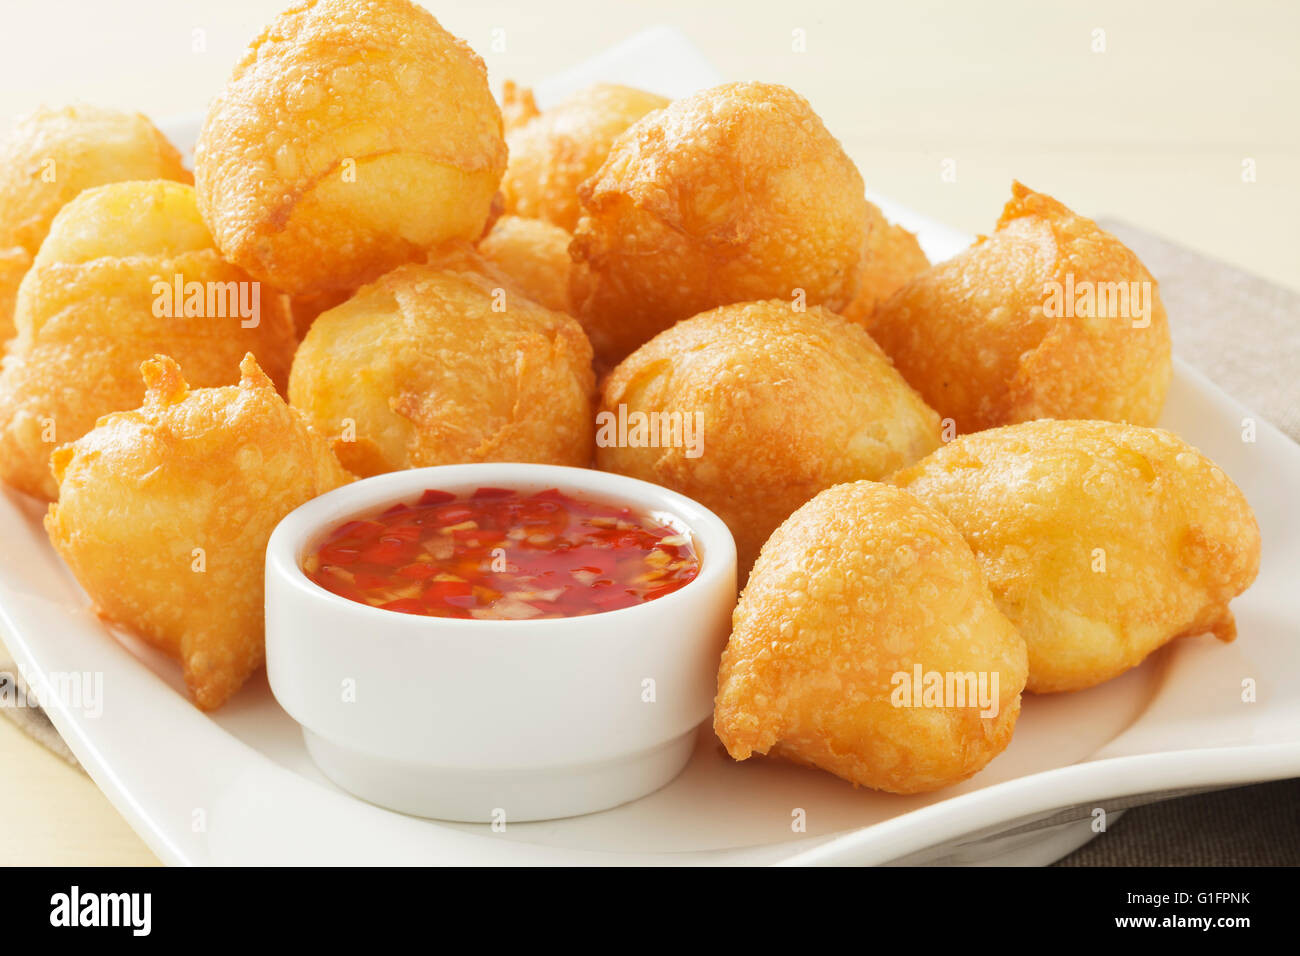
<point>17,704</point>
<point>1248,826</point>
<point>1243,332</point>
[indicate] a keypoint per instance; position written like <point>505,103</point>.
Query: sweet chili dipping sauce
<point>503,555</point>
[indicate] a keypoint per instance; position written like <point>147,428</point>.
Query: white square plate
<point>238,788</point>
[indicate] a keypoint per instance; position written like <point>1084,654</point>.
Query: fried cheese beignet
<point>735,194</point>
<point>353,136</point>
<point>1050,317</point>
<point>49,158</point>
<point>128,271</point>
<point>164,513</point>
<point>554,152</point>
<point>771,406</point>
<point>535,255</point>
<point>858,594</point>
<point>446,363</point>
<point>1101,541</point>
<point>893,259</point>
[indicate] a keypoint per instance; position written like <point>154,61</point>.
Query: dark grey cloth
<point>14,704</point>
<point>1242,331</point>
<point>1248,826</point>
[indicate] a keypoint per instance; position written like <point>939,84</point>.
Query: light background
<point>1154,130</point>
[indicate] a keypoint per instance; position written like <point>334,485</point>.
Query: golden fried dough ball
<point>352,136</point>
<point>893,259</point>
<point>1050,317</point>
<point>51,156</point>
<point>101,297</point>
<point>770,406</point>
<point>164,513</point>
<point>1101,541</point>
<point>420,368</point>
<point>535,255</point>
<point>866,643</point>
<point>735,194</point>
<point>552,153</point>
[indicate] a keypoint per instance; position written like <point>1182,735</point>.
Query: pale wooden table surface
<point>1155,130</point>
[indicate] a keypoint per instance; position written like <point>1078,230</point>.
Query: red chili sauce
<point>503,555</point>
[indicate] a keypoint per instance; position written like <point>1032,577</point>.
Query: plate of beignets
<point>938,456</point>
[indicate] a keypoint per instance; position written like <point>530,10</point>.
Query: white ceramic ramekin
<point>477,720</point>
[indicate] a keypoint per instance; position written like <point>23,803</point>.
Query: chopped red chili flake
<point>503,555</point>
<point>434,497</point>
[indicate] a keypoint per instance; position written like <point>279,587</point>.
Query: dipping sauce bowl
<point>497,720</point>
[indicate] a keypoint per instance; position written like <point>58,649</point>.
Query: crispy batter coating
<point>306,308</point>
<point>735,194</point>
<point>554,152</point>
<point>14,264</point>
<point>893,259</point>
<point>419,368</point>
<point>164,513</point>
<point>973,335</point>
<point>786,403</point>
<point>353,136</point>
<point>1101,541</point>
<point>100,299</point>
<point>535,255</point>
<point>50,157</point>
<point>858,590</point>
<point>518,106</point>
